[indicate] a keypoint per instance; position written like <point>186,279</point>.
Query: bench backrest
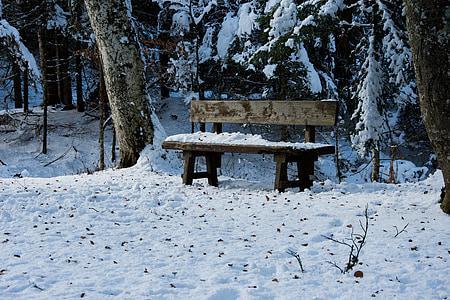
<point>308,113</point>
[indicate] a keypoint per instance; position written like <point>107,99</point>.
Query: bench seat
<point>241,143</point>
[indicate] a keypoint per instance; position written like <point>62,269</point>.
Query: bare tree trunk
<point>79,82</point>
<point>17,84</point>
<point>42,53</point>
<point>58,64</point>
<point>164,59</point>
<point>101,111</point>
<point>336,155</point>
<point>394,149</point>
<point>67,78</point>
<point>51,62</point>
<point>113,144</point>
<point>375,165</point>
<point>25,89</point>
<point>428,26</point>
<point>124,76</point>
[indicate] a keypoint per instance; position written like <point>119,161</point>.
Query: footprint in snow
<point>225,294</point>
<point>335,223</point>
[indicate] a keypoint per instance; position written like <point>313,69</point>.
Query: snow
<point>180,23</point>
<point>313,77</point>
<point>204,11</point>
<point>284,19</point>
<point>124,40</point>
<point>6,30</point>
<point>226,34</point>
<point>331,7</point>
<point>138,233</point>
<point>369,125</point>
<point>269,70</point>
<point>205,50</point>
<point>270,4</point>
<point>309,21</point>
<point>72,135</point>
<point>238,139</point>
<point>248,20</point>
<point>58,18</point>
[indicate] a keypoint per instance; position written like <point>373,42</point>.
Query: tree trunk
<point>375,177</point>
<point>25,89</point>
<point>124,76</point>
<point>79,82</point>
<point>17,83</point>
<point>428,27</point>
<point>42,52</point>
<point>113,144</point>
<point>394,149</point>
<point>66,79</point>
<point>101,111</point>
<point>51,62</point>
<point>58,66</point>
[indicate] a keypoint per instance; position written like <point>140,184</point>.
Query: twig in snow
<point>38,287</point>
<point>1,162</point>
<point>59,157</point>
<point>355,243</point>
<point>297,256</point>
<point>398,232</point>
<point>335,265</point>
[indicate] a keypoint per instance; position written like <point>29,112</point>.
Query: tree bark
<point>42,52</point>
<point>124,76</point>
<point>101,112</point>
<point>428,27</point>
<point>51,62</point>
<point>113,144</point>
<point>17,83</point>
<point>375,177</point>
<point>25,88</point>
<point>79,82</point>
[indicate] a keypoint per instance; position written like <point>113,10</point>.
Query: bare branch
<point>297,256</point>
<point>398,232</point>
<point>335,265</point>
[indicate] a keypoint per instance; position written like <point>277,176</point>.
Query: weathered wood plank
<point>313,113</point>
<point>310,134</point>
<point>220,148</point>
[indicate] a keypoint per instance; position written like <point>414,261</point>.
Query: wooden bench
<point>213,145</point>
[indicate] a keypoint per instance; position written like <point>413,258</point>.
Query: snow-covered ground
<point>72,143</point>
<point>140,234</point>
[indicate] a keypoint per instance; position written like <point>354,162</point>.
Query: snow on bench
<point>239,139</point>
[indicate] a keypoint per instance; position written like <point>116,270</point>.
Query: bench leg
<point>218,159</point>
<point>211,167</point>
<point>281,175</point>
<point>189,166</point>
<point>305,173</point>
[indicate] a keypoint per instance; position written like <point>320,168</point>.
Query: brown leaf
<point>359,274</point>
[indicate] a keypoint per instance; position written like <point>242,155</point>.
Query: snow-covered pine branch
<point>368,117</point>
<point>10,37</point>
